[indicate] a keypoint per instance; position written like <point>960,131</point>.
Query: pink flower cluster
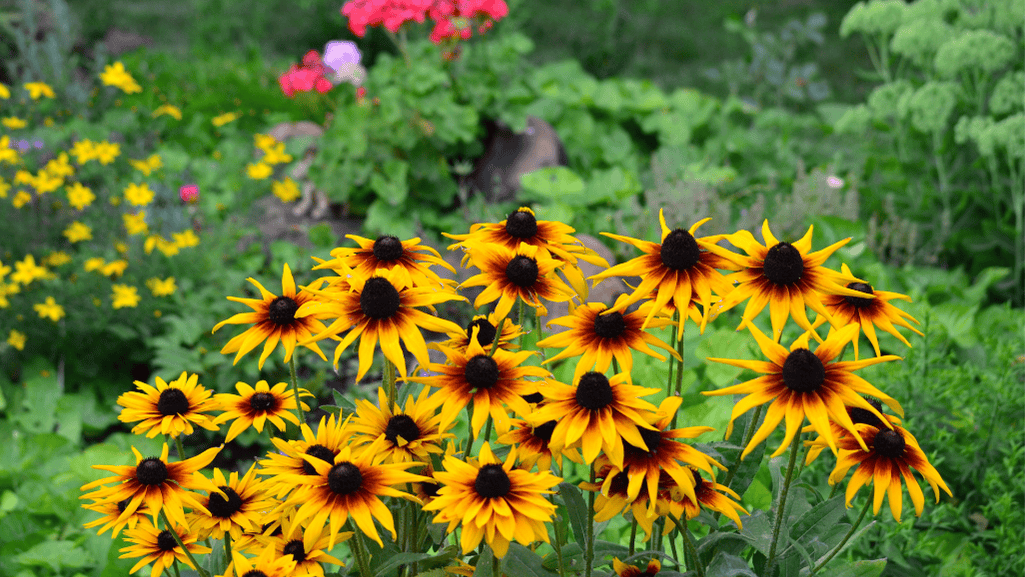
<point>453,19</point>
<point>306,77</point>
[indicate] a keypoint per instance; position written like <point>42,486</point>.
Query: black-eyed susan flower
<point>351,486</point>
<point>494,501</point>
<point>891,454</point>
<point>707,495</point>
<point>267,564</point>
<point>785,276</point>
<point>612,499</point>
<point>253,406</point>
<point>307,547</point>
<point>801,383</point>
<point>332,435</point>
<point>598,338</point>
<point>492,383</point>
<point>410,260</point>
<point>624,570</point>
<point>409,434</point>
<point>526,273</point>
<point>239,506</point>
<point>679,267</point>
<point>597,414</point>
<point>160,484</point>
<point>486,328</point>
<point>532,445</point>
<point>522,226</point>
<point>158,546</point>
<point>858,416</point>
<point>112,519</point>
<point>168,408</point>
<point>274,320</point>
<point>379,310</point>
<point>868,313</point>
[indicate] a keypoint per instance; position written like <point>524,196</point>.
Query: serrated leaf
<point>523,562</point>
<point>55,555</point>
<point>726,565</point>
<point>818,519</point>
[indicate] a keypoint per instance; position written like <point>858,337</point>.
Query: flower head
<point>410,260</point>
<point>168,408</point>
<point>158,546</point>
<point>253,406</point>
<point>37,90</point>
<point>116,75</point>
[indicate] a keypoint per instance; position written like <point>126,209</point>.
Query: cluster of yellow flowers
<point>273,152</point>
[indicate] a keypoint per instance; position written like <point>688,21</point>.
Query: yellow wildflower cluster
<point>116,75</point>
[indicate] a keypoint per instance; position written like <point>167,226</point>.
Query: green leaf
<point>42,393</point>
<point>321,235</point>
<point>726,565</point>
<point>523,562</point>
<point>818,520</point>
<point>484,566</point>
<point>858,568</point>
<point>383,218</point>
<point>758,531</point>
<point>552,184</point>
<point>393,562</point>
<point>577,509</point>
<point>392,186</point>
<point>55,555</point>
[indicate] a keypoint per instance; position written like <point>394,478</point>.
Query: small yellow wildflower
<point>169,110</point>
<point>5,92</point>
<point>13,122</point>
<point>121,247</point>
<point>124,296</point>
<point>138,195</point>
<point>37,89</point>
<point>276,155</point>
<point>4,270</point>
<point>77,232</point>
<point>148,165</point>
<point>83,151</point>
<point>4,187</point>
<point>161,288</point>
<point>57,258</point>
<point>135,223</point>
<point>114,268</point>
<point>21,199</point>
<point>26,271</point>
<point>49,309</point>
<point>116,75</point>
<point>79,195</point>
<point>94,263</point>
<point>185,239</point>
<point>225,118</point>
<point>16,339</point>
<point>46,182</point>
<point>60,166</point>
<point>106,152</point>
<point>5,290</point>
<point>264,141</point>
<point>259,171</point>
<point>24,177</point>
<point>286,190</point>
<point>7,153</point>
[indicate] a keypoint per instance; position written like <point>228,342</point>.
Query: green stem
<point>469,430</point>
<point>389,384</point>
<point>748,434</point>
<point>175,566</point>
<point>633,537</point>
<point>688,542</point>
<point>496,565</point>
<point>589,551</point>
<point>680,347</point>
<point>227,551</point>
<point>558,541</point>
<point>519,320</point>
<point>781,511</point>
<point>832,493</point>
<point>178,540</point>
<point>487,430</point>
<point>359,552</point>
<point>846,538</point>
<point>295,389</point>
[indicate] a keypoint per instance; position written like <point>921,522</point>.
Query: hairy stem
<point>781,511</point>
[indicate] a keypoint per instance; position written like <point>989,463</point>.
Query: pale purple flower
<point>340,52</point>
<point>834,182</point>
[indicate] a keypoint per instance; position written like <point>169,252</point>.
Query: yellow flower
<point>147,165</point>
<point>57,258</point>
<point>4,270</point>
<point>161,288</point>
<point>106,152</point>
<point>185,239</point>
<point>276,155</point>
<point>286,190</point>
<point>79,196</point>
<point>27,271</point>
<point>264,141</point>
<point>77,231</point>
<point>13,122</point>
<point>114,268</point>
<point>124,296</point>
<point>169,110</point>
<point>60,166</point>
<point>259,171</point>
<point>47,182</point>
<point>5,290</point>
<point>4,187</point>
<point>116,75</point>
<point>49,310</point>
<point>8,154</point>
<point>16,339</point>
<point>168,248</point>
<point>37,89</point>
<point>21,199</point>
<point>135,223</point>
<point>84,151</point>
<point>121,247</point>
<point>138,194</point>
<point>5,92</point>
<point>94,263</point>
<point>24,177</point>
<point>224,118</point>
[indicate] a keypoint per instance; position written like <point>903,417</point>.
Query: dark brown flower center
<point>620,483</point>
<point>224,508</point>
<point>698,481</point>
<point>803,372</point>
<point>865,416</point>
<point>492,481</point>
<point>481,372</point>
<point>345,479</point>
<point>401,426</point>
<point>263,402</point>
<point>522,271</point>
<point>122,505</point>
<point>679,250</point>
<point>296,549</point>
<point>254,573</point>
<point>165,541</point>
<point>430,489</point>
<point>151,471</point>
<point>859,302</point>
<point>594,391</point>
<point>521,224</point>
<point>172,402</point>
<point>485,331</point>
<point>388,248</point>
<point>783,264</point>
<point>544,431</point>
<point>379,299</point>
<point>281,311</point>
<point>609,325</point>
<point>889,443</point>
<point>319,452</point>
<point>533,398</point>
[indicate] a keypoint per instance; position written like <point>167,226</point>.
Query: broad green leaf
<point>523,562</point>
<point>383,218</point>
<point>55,555</point>
<point>726,565</point>
<point>858,568</point>
<point>484,566</point>
<point>577,509</point>
<point>556,183</point>
<point>393,562</point>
